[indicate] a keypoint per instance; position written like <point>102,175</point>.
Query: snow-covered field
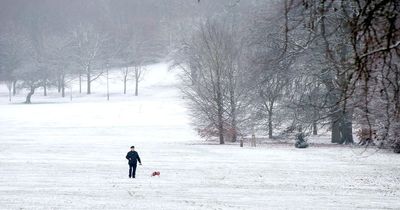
<point>62,154</point>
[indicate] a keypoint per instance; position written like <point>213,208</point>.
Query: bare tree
<point>88,45</point>
<point>210,60</point>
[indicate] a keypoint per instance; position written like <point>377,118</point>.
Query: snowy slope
<point>62,154</point>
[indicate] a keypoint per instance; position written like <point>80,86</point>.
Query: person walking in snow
<point>133,158</point>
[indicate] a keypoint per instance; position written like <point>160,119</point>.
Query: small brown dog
<point>155,173</point>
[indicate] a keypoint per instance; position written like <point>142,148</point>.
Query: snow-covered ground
<point>62,154</point>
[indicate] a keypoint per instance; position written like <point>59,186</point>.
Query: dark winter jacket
<point>133,157</point>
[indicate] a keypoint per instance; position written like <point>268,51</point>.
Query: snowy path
<point>71,156</point>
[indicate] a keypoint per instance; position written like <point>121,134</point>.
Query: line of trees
<point>48,44</point>
<point>295,65</point>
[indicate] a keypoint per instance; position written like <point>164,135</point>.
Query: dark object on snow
<point>301,141</point>
<point>133,158</point>
<point>156,173</point>
<point>132,171</point>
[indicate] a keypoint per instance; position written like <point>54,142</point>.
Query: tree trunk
<point>136,86</point>
<point>136,81</point>
<point>125,78</point>
<point>233,114</point>
<point>315,128</point>
<point>88,77</point>
<point>80,82</point>
<point>347,128</point>
<point>9,94</point>
<point>63,86</point>
<point>335,136</point>
<point>220,127</point>
<point>14,87</point>
<point>253,140</point>
<point>59,84</point>
<point>28,97</point>
<point>220,109</point>
<point>336,113</point>
<point>342,127</point>
<point>234,129</point>
<point>44,89</point>
<point>270,127</point>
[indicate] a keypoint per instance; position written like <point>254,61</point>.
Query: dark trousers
<point>132,170</point>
